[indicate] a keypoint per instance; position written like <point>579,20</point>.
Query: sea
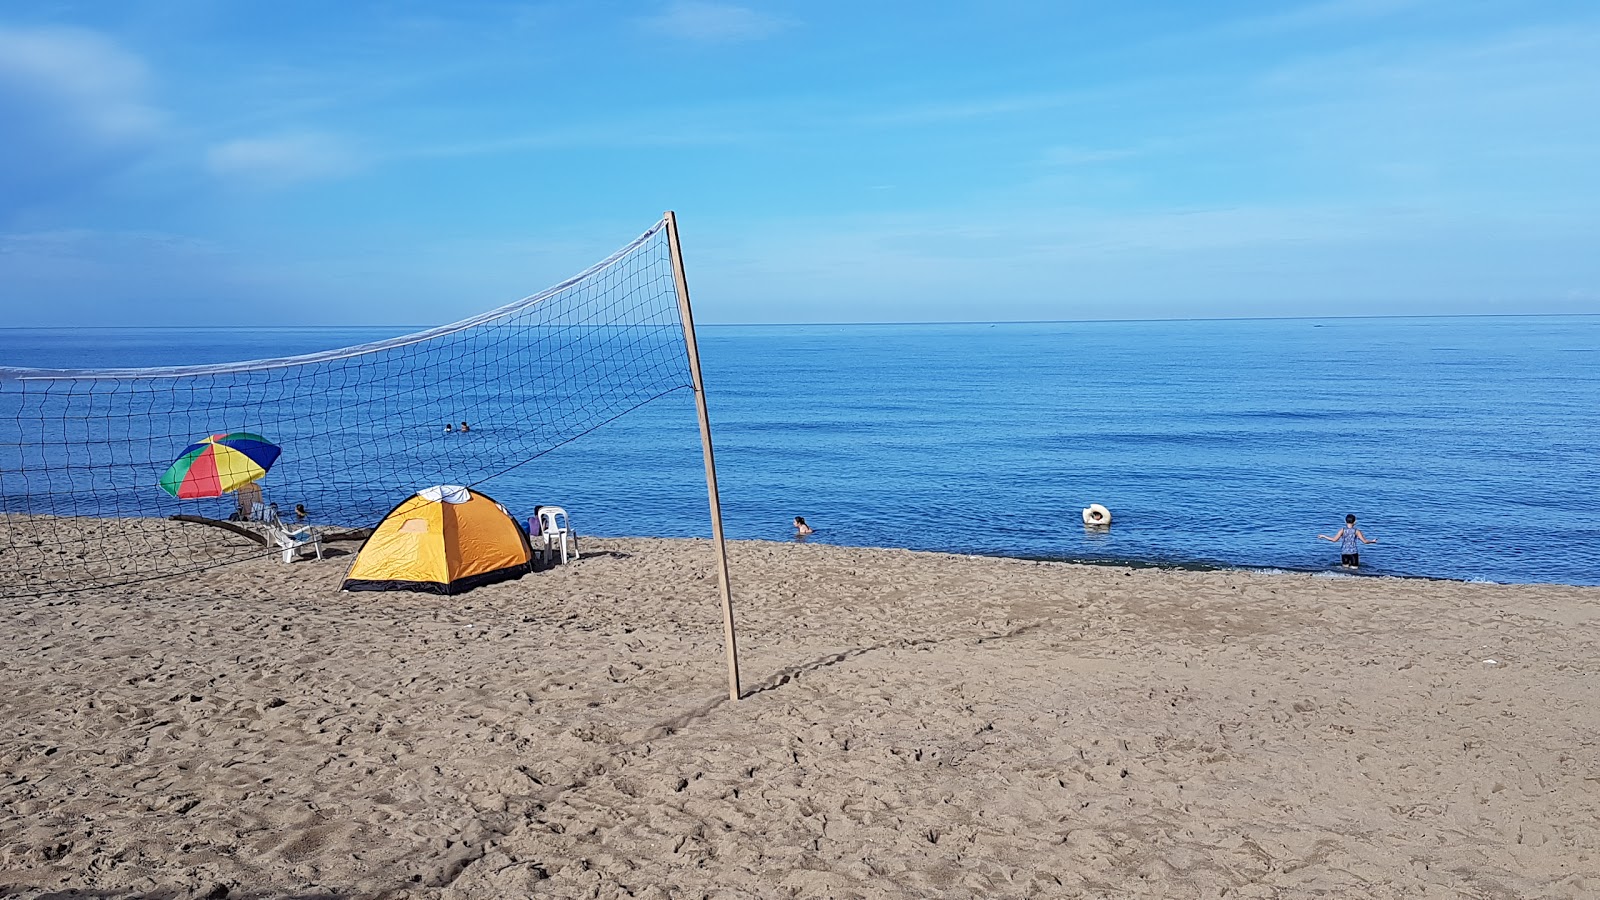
<point>1468,447</point>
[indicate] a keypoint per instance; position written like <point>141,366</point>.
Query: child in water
<point>1346,538</point>
<point>801,529</point>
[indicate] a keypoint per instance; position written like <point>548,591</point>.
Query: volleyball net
<point>88,484</point>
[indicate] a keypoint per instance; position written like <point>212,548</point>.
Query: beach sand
<point>915,725</point>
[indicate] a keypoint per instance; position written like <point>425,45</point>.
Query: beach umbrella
<point>218,464</point>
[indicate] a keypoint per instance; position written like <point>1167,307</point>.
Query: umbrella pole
<point>729,641</point>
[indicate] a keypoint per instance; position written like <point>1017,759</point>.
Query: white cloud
<point>74,111</point>
<point>698,20</point>
<point>282,159</point>
<point>88,80</point>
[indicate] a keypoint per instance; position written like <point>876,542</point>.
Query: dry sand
<point>915,725</point>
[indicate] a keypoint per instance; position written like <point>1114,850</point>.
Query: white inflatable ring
<point>1095,514</point>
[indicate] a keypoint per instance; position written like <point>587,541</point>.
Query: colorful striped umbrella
<point>219,464</point>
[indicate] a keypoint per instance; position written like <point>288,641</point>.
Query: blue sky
<point>195,162</point>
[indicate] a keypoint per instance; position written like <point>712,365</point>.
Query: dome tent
<point>441,540</point>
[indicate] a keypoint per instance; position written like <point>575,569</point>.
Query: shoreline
<point>221,550</point>
<point>1198,565</point>
<point>1331,571</point>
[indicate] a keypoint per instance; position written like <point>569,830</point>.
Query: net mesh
<point>360,428</point>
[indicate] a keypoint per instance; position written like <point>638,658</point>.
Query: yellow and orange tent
<point>441,540</point>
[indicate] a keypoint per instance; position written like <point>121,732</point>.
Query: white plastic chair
<point>555,527</point>
<point>291,540</point>
<point>298,540</point>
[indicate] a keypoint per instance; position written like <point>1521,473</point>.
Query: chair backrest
<point>552,519</point>
<point>248,496</point>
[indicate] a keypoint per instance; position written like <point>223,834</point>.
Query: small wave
<point>1277,570</point>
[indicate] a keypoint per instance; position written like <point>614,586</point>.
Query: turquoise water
<point>1467,446</point>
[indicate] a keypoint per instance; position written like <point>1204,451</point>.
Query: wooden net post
<point>729,641</point>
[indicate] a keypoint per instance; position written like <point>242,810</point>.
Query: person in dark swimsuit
<point>1347,538</point>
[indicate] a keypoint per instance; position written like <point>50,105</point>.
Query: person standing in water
<point>1347,538</point>
<point>801,529</point>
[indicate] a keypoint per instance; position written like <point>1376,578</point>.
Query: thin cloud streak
<point>1296,19</point>
<point>618,135</point>
<point>282,159</point>
<point>1090,264</point>
<point>1067,156</point>
<point>714,23</point>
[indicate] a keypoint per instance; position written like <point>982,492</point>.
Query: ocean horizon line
<point>834,324</point>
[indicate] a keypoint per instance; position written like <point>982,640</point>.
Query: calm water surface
<point>1467,446</point>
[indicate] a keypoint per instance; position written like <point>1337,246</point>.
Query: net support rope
<point>83,451</point>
